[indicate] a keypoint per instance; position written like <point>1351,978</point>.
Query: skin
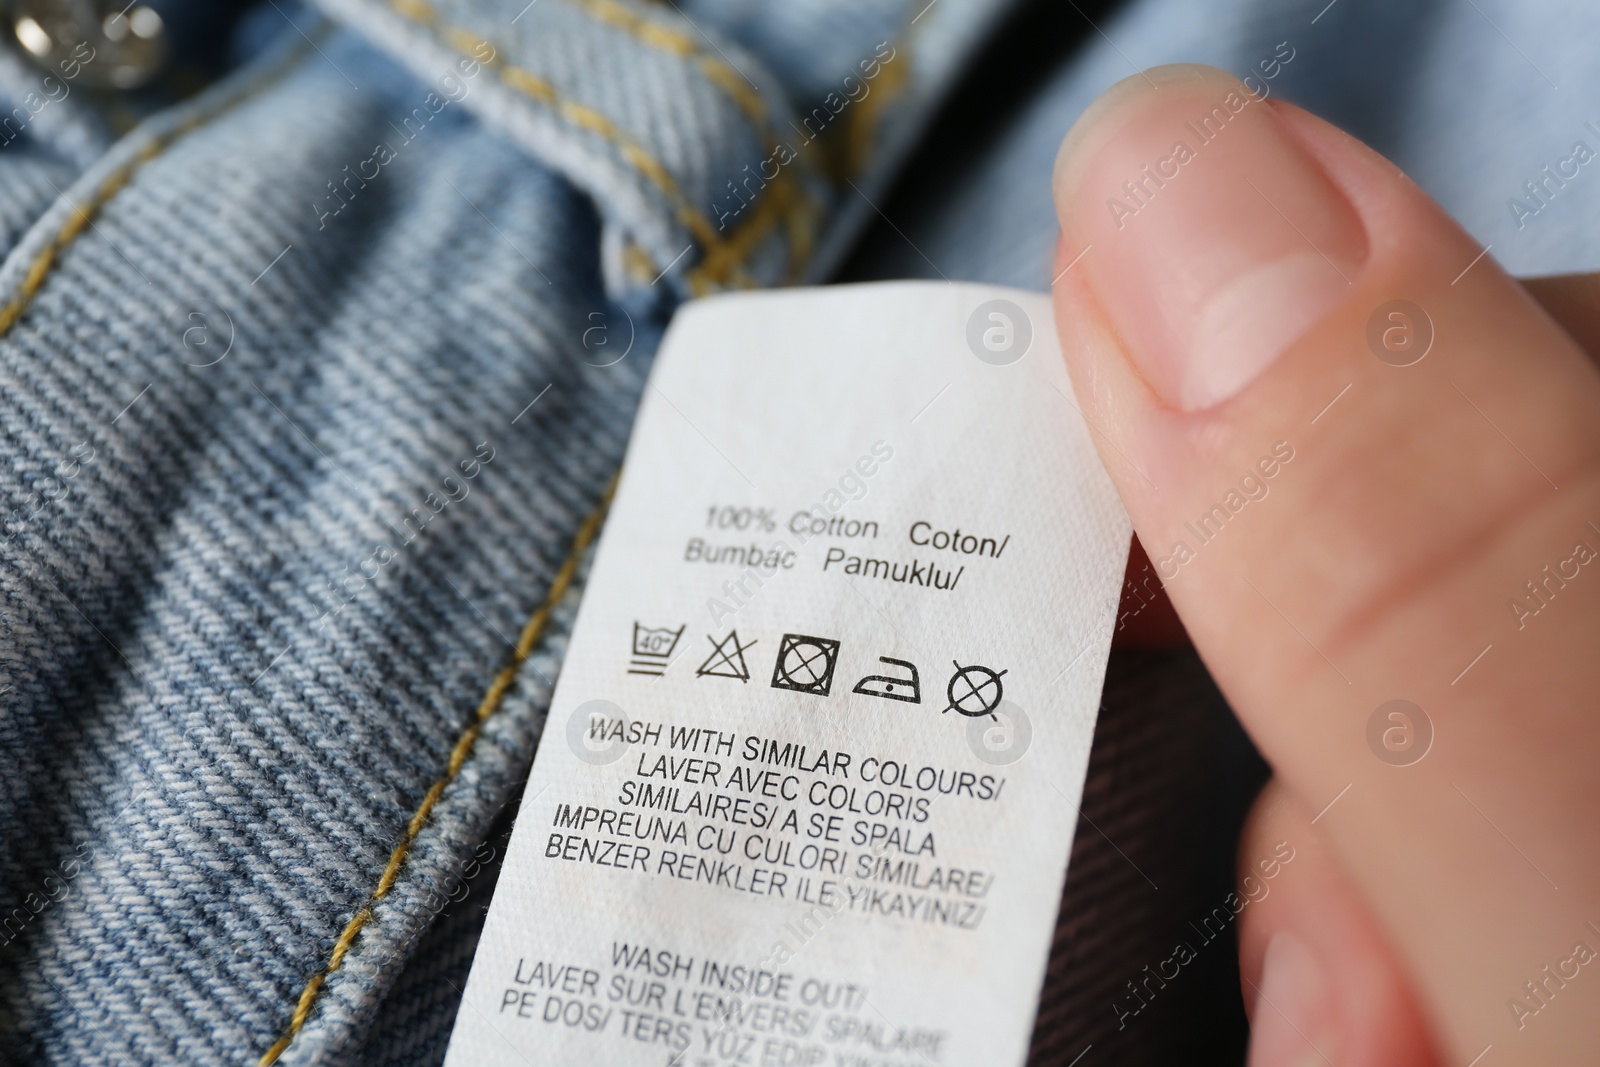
<point>1220,318</point>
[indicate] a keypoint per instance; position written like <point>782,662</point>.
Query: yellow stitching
<point>462,40</point>
<point>779,203</point>
<point>863,122</point>
<point>531,632</point>
<point>414,9</point>
<point>641,268</point>
<point>579,115</point>
<point>587,118</point>
<point>531,84</point>
<point>855,157</point>
<point>82,216</point>
<point>798,213</point>
<point>668,40</point>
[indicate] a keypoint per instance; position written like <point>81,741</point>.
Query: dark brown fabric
<point>1171,777</point>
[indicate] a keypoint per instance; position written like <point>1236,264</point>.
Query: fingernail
<point>1211,240</point>
<point>1292,1021</point>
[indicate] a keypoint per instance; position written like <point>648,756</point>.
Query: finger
<point>1573,300</point>
<point>1318,978</point>
<point>1145,617</point>
<point>1338,531</point>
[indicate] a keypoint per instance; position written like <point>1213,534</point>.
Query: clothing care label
<point>811,772</point>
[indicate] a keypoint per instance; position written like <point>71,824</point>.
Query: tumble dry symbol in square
<point>805,664</point>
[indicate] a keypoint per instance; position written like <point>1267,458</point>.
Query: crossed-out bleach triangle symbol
<point>726,659</point>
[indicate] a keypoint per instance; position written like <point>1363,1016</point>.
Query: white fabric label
<point>812,767</point>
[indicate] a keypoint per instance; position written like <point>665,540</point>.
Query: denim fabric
<point>1454,91</point>
<point>48,114</point>
<point>303,447</point>
<point>680,132</point>
<point>218,724</point>
<point>47,136</point>
<point>313,386</point>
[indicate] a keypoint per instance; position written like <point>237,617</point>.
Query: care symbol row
<point>806,664</point>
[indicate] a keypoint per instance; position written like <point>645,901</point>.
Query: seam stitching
<point>653,34</point>
<point>83,214</point>
<point>718,267</point>
<point>722,73</point>
<point>532,631</point>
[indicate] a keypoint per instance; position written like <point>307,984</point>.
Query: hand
<point>1367,466</point>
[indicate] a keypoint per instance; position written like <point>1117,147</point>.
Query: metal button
<point>108,43</point>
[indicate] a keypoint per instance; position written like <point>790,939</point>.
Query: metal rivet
<point>98,43</point>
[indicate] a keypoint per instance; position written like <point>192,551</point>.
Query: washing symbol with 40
<point>652,649</point>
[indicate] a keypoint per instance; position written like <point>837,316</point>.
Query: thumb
<point>1363,461</point>
<point>1319,981</point>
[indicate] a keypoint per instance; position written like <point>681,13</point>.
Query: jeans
<point>314,386</point>
<point>315,381</point>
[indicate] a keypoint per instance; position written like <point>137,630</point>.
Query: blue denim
<point>1471,99</point>
<point>314,384</point>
